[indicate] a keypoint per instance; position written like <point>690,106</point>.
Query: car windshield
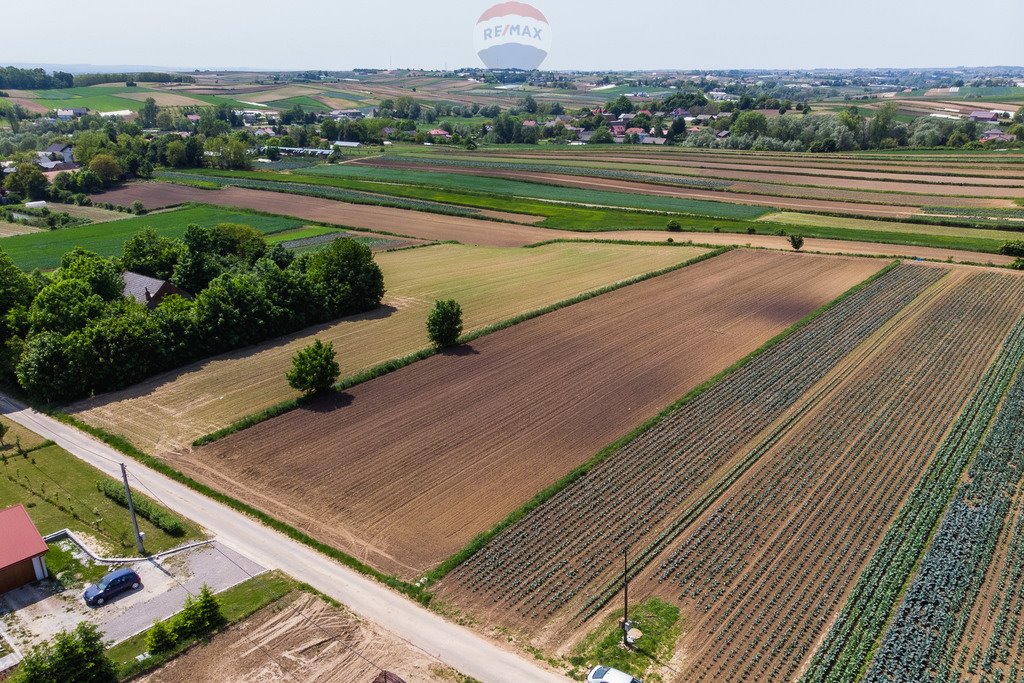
<point>600,671</point>
<point>102,585</point>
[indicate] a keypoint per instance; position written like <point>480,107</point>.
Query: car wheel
<point>99,601</point>
<point>135,585</point>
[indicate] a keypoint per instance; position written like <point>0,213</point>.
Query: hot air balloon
<point>512,35</point>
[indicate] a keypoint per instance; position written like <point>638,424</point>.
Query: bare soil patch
<point>301,638</point>
<point>404,470</point>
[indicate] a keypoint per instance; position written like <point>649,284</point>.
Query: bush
<point>199,617</point>
<point>138,207</point>
<point>751,230</point>
<point>796,241</point>
<point>143,508</point>
<point>160,639</point>
<point>1012,248</point>
<point>444,325</point>
<point>1018,264</point>
<point>314,368</point>
<point>71,657</point>
<point>674,226</point>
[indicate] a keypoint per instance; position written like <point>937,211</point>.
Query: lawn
<point>44,249</point>
<point>657,620</point>
<point>62,492</point>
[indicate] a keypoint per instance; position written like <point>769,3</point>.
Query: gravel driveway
<point>38,612</point>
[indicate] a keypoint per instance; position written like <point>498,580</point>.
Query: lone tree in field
<point>674,226</point>
<point>445,323</point>
<point>314,368</point>
<point>796,241</point>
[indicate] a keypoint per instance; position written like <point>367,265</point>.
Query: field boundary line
<point>389,366</point>
<point>543,496</point>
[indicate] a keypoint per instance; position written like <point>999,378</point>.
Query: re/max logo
<point>512,30</point>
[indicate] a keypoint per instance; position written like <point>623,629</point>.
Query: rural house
<point>61,148</point>
<point>65,114</point>
<point>149,291</point>
<point>989,116</point>
<point>22,550</point>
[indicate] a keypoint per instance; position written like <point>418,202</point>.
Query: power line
<point>295,609</point>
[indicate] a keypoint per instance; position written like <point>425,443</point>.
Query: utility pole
<point>131,509</point>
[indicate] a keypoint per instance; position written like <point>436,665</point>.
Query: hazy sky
<point>595,34</point>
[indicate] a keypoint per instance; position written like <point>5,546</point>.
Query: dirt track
<point>404,470</point>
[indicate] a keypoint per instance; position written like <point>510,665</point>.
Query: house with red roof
<point>440,133</point>
<point>22,550</point>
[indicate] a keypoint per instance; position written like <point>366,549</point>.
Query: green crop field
<point>517,188</point>
<point>307,103</point>
<point>44,249</point>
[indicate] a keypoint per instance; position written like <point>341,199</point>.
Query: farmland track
<point>417,479</point>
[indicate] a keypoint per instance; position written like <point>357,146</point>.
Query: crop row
<point>768,567</point>
<point>844,652</point>
<point>324,192</point>
<point>587,171</point>
<point>562,548</point>
<point>934,620</point>
<point>974,213</point>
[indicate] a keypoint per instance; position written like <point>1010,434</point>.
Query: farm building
<point>989,116</point>
<point>21,553</point>
<point>149,291</point>
<point>64,114</point>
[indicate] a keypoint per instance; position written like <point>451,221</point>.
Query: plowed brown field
<point>404,470</point>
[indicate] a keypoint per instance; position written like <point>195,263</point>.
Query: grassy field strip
<point>492,284</point>
<point>796,219</point>
<point>44,249</point>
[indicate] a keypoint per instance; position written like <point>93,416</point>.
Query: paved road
<point>454,645</point>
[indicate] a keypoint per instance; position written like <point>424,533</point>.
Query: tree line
<point>73,333</point>
<point>39,79</point>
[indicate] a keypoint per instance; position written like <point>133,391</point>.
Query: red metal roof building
<point>21,550</point>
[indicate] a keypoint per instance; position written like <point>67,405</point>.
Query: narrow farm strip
<point>404,470</point>
<point>492,284</point>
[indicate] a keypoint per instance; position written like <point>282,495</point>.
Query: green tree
<point>674,226</point>
<point>4,428</point>
<point>444,324</point>
<point>175,154</point>
<point>64,306</point>
<point>1019,116</point>
<point>164,120</point>
<point>797,242</point>
<point>345,278</point>
<point>107,168</point>
<point>150,254</point>
<point>16,288</point>
<point>101,274</point>
<point>602,136</point>
<point>208,609</point>
<point>71,657</point>
<point>749,123</point>
<point>314,369</point>
<point>148,112</point>
<point>160,639</point>
<point>27,181</point>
